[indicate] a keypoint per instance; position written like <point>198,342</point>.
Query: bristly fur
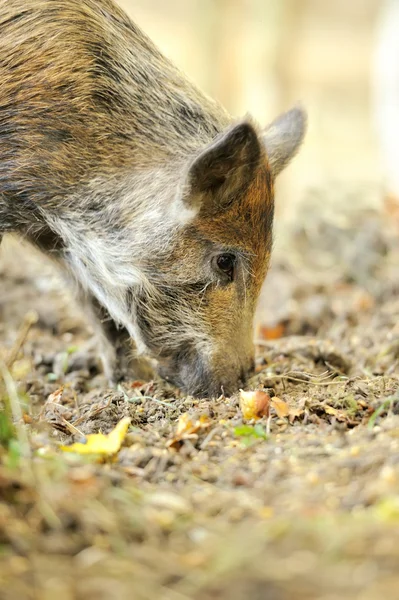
<point>119,168</point>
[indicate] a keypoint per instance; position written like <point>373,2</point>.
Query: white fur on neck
<point>107,261</point>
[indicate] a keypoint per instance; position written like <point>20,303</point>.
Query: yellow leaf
<point>329,410</point>
<point>280,407</point>
<point>99,443</point>
<point>387,509</point>
<point>188,425</point>
<point>254,405</point>
<point>184,425</point>
<point>266,512</point>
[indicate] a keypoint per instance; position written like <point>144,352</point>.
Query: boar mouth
<point>190,371</point>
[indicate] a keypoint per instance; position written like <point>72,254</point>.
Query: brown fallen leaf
<point>137,384</point>
<point>271,333</point>
<point>56,396</point>
<point>280,406</point>
<point>254,405</point>
<point>363,302</point>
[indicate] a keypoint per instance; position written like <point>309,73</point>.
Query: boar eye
<point>226,264</point>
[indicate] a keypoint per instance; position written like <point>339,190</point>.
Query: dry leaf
<point>137,384</point>
<point>329,410</point>
<point>280,406</point>
<point>295,413</point>
<point>185,424</point>
<point>56,396</point>
<point>271,333</point>
<point>99,443</point>
<point>187,427</point>
<point>363,302</point>
<point>54,413</point>
<point>254,405</point>
<point>338,414</point>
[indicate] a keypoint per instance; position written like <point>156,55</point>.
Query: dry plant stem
<point>268,425</point>
<point>29,320</point>
<point>136,398</point>
<point>27,465</point>
<point>14,407</point>
<point>210,436</point>
<point>290,378</point>
<point>73,430</point>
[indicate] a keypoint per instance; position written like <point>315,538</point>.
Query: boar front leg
<point>117,348</point>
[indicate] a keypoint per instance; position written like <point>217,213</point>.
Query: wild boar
<point>145,190</point>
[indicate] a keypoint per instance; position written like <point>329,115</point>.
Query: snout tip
<point>195,379</point>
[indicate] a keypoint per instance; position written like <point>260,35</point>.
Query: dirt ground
<point>304,506</point>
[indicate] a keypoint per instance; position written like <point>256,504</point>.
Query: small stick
<point>291,378</point>
<point>268,424</point>
<point>210,436</point>
<point>30,319</point>
<point>263,343</point>
<point>134,399</point>
<point>72,429</point>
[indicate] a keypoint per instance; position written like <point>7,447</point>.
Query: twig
<point>297,379</point>
<point>264,343</point>
<point>29,320</point>
<point>72,429</point>
<point>137,398</point>
<point>75,398</point>
<point>134,399</point>
<point>268,424</point>
<point>210,436</point>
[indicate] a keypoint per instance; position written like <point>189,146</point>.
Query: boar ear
<point>283,137</point>
<point>225,166</point>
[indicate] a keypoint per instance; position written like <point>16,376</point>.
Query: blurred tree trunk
<point>223,25</point>
<point>292,14</point>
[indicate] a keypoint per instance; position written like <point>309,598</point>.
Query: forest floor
<point>296,507</point>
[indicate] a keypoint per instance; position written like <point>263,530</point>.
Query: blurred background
<point>263,56</point>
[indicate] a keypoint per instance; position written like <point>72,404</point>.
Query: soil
<point>304,506</point>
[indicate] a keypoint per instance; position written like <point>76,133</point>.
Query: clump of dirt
<point>300,506</point>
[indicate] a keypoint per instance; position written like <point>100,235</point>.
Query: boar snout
<point>197,376</point>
